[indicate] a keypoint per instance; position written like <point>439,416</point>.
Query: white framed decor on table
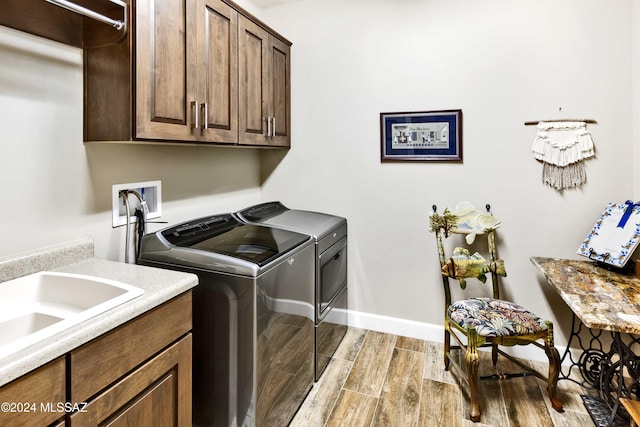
<point>615,235</point>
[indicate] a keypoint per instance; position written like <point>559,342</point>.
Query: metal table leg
<point>610,374</point>
<point>590,361</point>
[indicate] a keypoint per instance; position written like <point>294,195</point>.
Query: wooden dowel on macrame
<point>535,123</point>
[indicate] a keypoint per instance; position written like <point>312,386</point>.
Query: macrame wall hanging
<point>562,146</point>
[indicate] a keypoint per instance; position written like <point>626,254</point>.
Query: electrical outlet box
<point>149,191</point>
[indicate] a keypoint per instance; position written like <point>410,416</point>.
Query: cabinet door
<point>279,92</point>
<point>164,84</point>
<point>217,71</point>
<point>156,394</point>
<point>104,360</point>
<point>33,398</point>
<point>253,87</point>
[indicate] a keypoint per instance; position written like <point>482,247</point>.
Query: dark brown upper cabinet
<point>183,71</point>
<point>264,70</point>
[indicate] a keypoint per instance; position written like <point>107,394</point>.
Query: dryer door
<point>332,275</point>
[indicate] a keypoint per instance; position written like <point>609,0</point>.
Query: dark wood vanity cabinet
<point>33,398</point>
<point>138,374</point>
<point>156,394</point>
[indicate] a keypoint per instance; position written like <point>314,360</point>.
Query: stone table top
<point>600,298</point>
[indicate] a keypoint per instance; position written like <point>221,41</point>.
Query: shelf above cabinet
<point>58,23</point>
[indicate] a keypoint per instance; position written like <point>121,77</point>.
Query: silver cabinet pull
<point>205,115</point>
<point>194,115</point>
<point>273,126</point>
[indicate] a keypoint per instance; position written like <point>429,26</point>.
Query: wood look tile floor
<point>378,379</point>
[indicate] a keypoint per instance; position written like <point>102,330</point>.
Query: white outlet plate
<point>150,191</point>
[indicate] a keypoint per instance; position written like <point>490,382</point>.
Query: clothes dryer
<point>329,233</point>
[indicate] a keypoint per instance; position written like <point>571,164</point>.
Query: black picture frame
<point>424,136</point>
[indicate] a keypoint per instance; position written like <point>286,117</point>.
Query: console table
<point>602,300</point>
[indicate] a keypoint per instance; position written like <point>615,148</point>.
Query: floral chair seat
<point>494,317</point>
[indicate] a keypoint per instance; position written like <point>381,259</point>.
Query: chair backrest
<point>460,263</point>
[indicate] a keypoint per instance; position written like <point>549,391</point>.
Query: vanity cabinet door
<point>156,394</point>
<point>33,399</point>
<point>106,359</point>
<point>138,374</point>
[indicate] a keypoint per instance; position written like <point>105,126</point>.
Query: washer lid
<point>262,212</point>
<point>275,214</point>
<point>223,234</point>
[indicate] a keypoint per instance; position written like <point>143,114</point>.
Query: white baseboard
<point>431,332</point>
<point>396,326</point>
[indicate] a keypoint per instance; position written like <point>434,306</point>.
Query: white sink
<point>40,305</point>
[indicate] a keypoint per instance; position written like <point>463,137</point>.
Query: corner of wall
<point>635,97</point>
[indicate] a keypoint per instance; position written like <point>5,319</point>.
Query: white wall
<point>502,63</point>
<point>636,99</point>
<point>55,189</point>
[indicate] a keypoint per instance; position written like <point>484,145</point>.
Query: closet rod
<point>588,121</point>
<point>117,24</point>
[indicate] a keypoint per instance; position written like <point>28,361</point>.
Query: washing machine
<point>329,234</point>
<point>253,316</point>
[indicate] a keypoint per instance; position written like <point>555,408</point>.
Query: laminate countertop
<point>159,286</point>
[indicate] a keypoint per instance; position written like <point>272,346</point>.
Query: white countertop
<point>159,286</point>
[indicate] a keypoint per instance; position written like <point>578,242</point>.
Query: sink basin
<point>40,305</point>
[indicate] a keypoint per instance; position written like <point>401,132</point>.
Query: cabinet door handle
<point>194,115</point>
<point>205,115</point>
<point>271,126</point>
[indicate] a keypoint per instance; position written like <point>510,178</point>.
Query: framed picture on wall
<point>421,136</point>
